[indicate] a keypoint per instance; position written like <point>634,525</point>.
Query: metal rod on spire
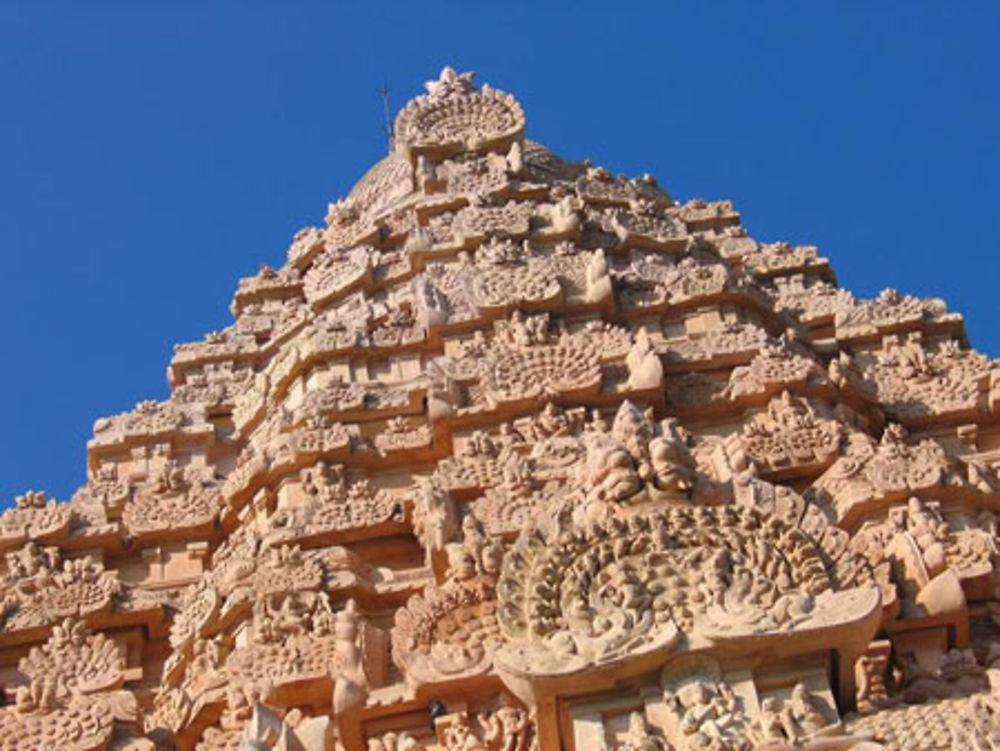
<point>384,92</point>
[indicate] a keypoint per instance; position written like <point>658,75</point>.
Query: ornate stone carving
<point>889,309</point>
<point>447,633</point>
<point>791,434</point>
<point>74,660</point>
<point>514,454</point>
<point>42,589</point>
<point>331,504</point>
<point>628,587</point>
<point>506,728</point>
<point>174,499</point>
<point>890,468</point>
<point>914,383</point>
<point>454,116</point>
<point>33,517</point>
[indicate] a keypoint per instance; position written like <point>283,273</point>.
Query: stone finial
<point>450,82</point>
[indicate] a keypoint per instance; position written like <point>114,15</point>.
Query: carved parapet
<point>336,273</point>
<point>150,422</point>
<point>185,513</point>
<point>730,343</point>
<point>542,372</point>
<point>772,370</point>
<point>776,259</point>
<point>351,400</point>
<point>890,311</point>
<point>474,224</point>
<point>34,517</point>
<point>599,188</point>
<point>82,724</point>
<point>870,475</point>
<point>917,385</point>
<point>75,661</point>
<point>654,282</point>
<point>268,284</point>
<point>647,225</point>
<point>324,506</point>
<point>401,438</point>
<point>42,589</point>
<point>700,215</point>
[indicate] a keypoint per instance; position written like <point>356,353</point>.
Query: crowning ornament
<point>514,454</point>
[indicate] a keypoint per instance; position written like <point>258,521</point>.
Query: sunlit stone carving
<point>514,454</point>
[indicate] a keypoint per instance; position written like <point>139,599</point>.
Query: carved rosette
<point>85,724</point>
<point>543,372</point>
<point>447,633</point>
<point>75,660</point>
<point>454,115</point>
<point>620,590</point>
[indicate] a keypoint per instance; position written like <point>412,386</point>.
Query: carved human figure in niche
<point>925,527</point>
<point>803,714</point>
<point>644,366</point>
<point>639,737</point>
<point>459,737</point>
<point>31,560</point>
<point>168,478</point>
<point>480,444</point>
<point>718,570</point>
<point>477,553</point>
<point>351,685</point>
<point>523,332</point>
<point>508,728</point>
<point>769,724</point>
<point>912,362</point>
<point>552,421</point>
<point>708,716</point>
<point>435,518</point>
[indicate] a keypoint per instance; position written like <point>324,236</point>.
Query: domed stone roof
<point>514,453</point>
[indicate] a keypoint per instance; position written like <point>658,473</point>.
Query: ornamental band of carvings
<point>515,454</point>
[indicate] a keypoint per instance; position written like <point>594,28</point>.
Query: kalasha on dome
<point>514,454</point>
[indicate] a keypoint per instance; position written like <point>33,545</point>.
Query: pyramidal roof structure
<point>515,454</point>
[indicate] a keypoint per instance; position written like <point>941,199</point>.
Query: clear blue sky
<point>153,153</point>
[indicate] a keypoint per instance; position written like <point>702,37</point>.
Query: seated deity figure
<point>639,736</point>
<point>708,716</point>
<point>803,715</point>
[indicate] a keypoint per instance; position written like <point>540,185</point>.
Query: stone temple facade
<point>515,454</point>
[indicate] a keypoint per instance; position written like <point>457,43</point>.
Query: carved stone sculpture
<point>514,454</point>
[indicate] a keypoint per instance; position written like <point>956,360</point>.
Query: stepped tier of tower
<point>512,454</point>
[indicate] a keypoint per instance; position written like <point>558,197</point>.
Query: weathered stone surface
<point>515,454</point>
